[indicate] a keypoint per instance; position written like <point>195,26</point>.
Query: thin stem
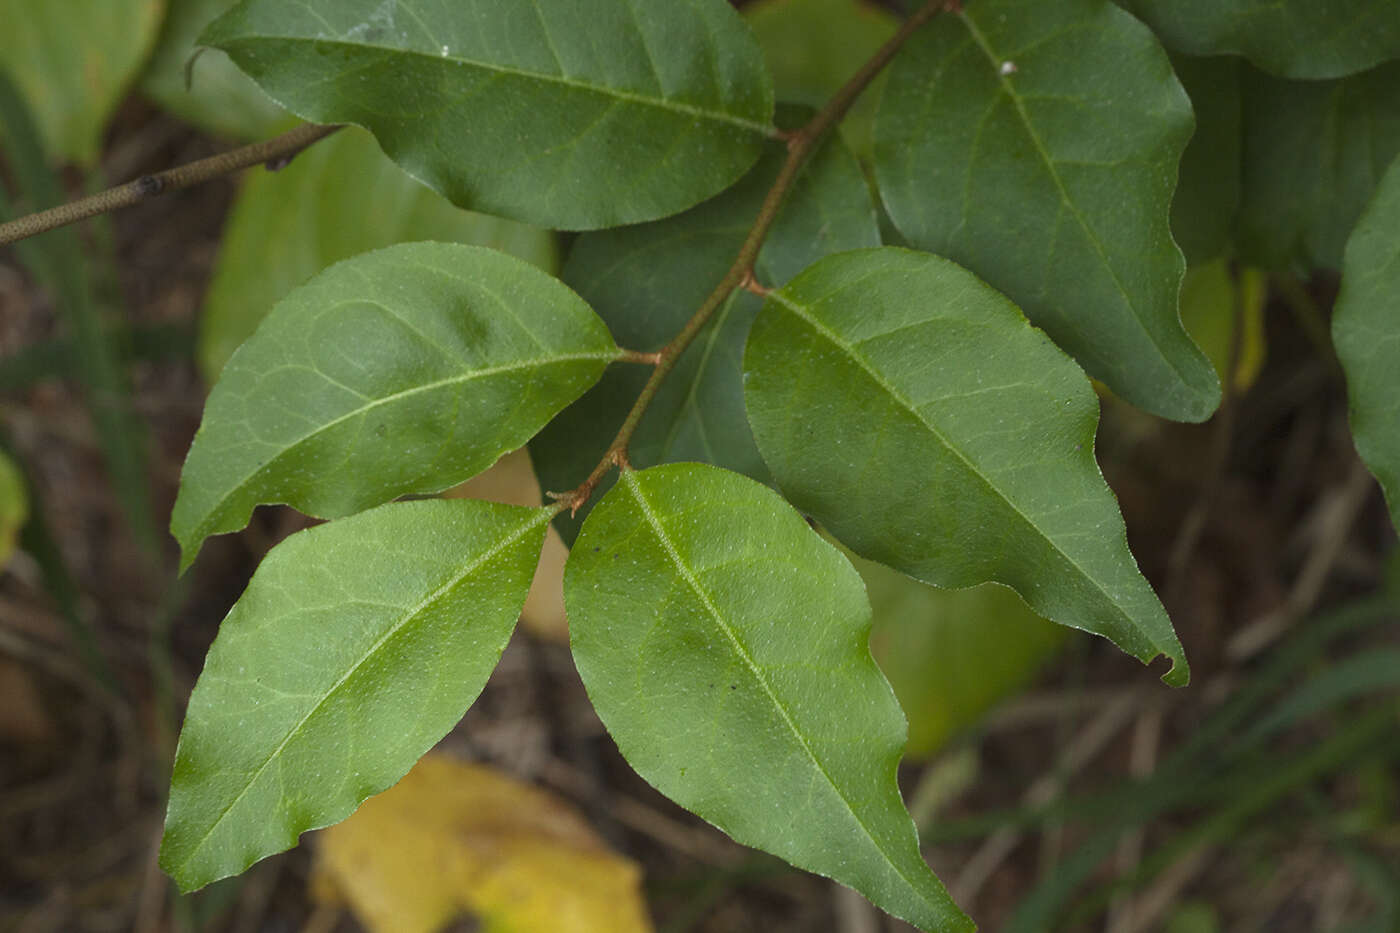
<point>273,152</point>
<point>801,144</point>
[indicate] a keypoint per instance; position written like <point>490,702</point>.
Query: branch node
<point>149,185</point>
<point>750,284</point>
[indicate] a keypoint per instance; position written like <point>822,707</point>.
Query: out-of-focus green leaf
<point>912,410</point>
<point>14,506</point>
<point>813,46</point>
<point>952,654</point>
<point>560,113</point>
<point>1206,205</point>
<point>725,646</point>
<point>646,281</point>
<point>356,646</point>
<point>1292,38</point>
<point>1037,144</point>
<point>406,370</point>
<point>218,97</point>
<point>1211,298</point>
<point>1313,154</point>
<point>339,198</point>
<point>1366,331</point>
<point>73,59</point>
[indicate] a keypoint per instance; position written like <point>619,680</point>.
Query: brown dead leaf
<point>512,480</point>
<point>454,838</point>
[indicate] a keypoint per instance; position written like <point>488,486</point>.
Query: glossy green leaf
<point>646,281</point>
<point>337,199</point>
<point>357,645</point>
<point>813,46</point>
<point>1037,144</point>
<point>1206,205</point>
<point>1313,154</point>
<point>14,506</point>
<point>1366,331</point>
<point>724,644</point>
<point>951,655</point>
<point>218,97</point>
<point>1292,38</point>
<point>74,59</point>
<point>913,411</point>
<point>406,370</point>
<point>568,114</point>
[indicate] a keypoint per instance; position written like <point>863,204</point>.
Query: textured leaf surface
<point>14,506</point>
<point>453,837</point>
<point>356,646</point>
<point>1205,208</point>
<point>912,410</point>
<point>646,282</point>
<point>1366,331</point>
<point>401,371</point>
<point>218,97</point>
<point>724,645</point>
<point>1037,144</point>
<point>337,199</point>
<point>952,654</point>
<point>1313,154</point>
<point>1292,38</point>
<point>567,114</point>
<point>73,59</point>
<point>813,46</point>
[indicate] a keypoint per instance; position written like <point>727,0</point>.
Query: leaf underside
<point>912,410</point>
<point>1366,331</point>
<point>1011,139</point>
<point>559,113</point>
<point>646,281</point>
<point>406,370</point>
<point>357,645</point>
<point>725,646</point>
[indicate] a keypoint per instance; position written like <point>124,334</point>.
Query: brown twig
<point>801,144</point>
<point>271,151</point>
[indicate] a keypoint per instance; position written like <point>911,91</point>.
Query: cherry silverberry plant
<point>764,324</point>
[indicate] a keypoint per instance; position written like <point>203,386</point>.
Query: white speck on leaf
<point>1007,68</point>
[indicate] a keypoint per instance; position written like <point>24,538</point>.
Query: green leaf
<point>1292,38</point>
<point>1313,154</point>
<point>14,506</point>
<point>813,46</point>
<point>646,281</point>
<point>217,97</point>
<point>1213,297</point>
<point>561,113</point>
<point>1206,206</point>
<point>357,645</point>
<point>1366,331</point>
<point>1037,144</point>
<point>951,655</point>
<point>913,411</point>
<point>724,644</point>
<point>339,198</point>
<point>73,59</point>
<point>406,370</point>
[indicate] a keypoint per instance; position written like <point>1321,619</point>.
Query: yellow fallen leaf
<point>454,838</point>
<point>512,481</point>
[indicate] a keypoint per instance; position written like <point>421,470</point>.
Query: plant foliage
<point>771,322</point>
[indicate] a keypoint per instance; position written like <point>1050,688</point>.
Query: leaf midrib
<point>659,103</point>
<point>953,449</point>
<point>629,476</point>
<point>542,515</point>
<point>982,43</point>
<point>212,514</point>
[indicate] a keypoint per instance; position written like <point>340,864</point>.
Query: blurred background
<point>1056,783</point>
